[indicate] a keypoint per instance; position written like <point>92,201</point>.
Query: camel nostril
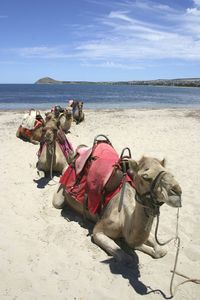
<point>176,190</point>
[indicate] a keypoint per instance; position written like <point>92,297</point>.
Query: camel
<point>132,218</point>
<point>78,114</point>
<point>63,117</point>
<point>55,151</point>
<point>65,120</point>
<point>31,132</point>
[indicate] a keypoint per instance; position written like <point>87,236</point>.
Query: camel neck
<point>141,226</point>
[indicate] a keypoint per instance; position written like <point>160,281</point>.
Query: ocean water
<point>26,96</point>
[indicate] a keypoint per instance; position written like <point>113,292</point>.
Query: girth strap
<point>123,160</point>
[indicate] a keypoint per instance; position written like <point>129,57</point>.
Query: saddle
<point>28,121</point>
<point>31,120</point>
<point>95,175</point>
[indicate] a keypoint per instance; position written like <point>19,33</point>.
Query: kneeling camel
<point>133,218</point>
<point>55,150</point>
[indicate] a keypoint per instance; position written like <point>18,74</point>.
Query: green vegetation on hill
<point>185,82</point>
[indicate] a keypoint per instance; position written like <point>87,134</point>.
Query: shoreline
<point>110,109</point>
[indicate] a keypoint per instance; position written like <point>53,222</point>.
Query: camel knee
<point>18,135</point>
<point>34,142</point>
<point>59,198</point>
<point>58,202</point>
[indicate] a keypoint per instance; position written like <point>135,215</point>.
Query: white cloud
<point>133,39</point>
<point>193,11</point>
<point>123,38</point>
<point>111,64</point>
<point>42,52</point>
<point>196,2</point>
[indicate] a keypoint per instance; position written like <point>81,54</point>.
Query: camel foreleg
<point>111,247</point>
<point>151,248</point>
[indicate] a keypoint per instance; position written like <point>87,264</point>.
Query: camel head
<point>50,131</point>
<point>65,120</point>
<point>68,113</point>
<point>152,178</point>
<point>48,116</point>
<point>80,106</point>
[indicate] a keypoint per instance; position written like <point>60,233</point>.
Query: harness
<point>62,141</point>
<point>147,200</point>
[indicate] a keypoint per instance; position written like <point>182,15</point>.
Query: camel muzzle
<point>174,201</point>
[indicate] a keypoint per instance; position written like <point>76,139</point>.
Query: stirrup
<point>122,156</point>
<point>105,139</point>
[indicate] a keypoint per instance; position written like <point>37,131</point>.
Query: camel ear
<point>163,162</point>
<point>133,165</point>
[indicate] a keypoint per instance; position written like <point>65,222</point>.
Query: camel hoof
<point>40,174</point>
<point>160,253</point>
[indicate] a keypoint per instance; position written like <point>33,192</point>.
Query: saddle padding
<point>82,155</point>
<point>94,176</point>
<point>28,121</point>
<point>104,159</point>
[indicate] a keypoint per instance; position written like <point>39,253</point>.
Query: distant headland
<point>184,82</point>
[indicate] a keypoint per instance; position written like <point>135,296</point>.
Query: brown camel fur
<point>64,118</point>
<point>78,114</point>
<point>52,158</point>
<point>134,221</point>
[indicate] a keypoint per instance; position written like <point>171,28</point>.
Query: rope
<point>177,241</point>
<point>51,166</point>
<point>52,157</point>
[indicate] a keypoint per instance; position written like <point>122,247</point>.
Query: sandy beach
<point>46,254</point>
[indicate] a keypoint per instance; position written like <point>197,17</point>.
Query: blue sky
<point>99,40</point>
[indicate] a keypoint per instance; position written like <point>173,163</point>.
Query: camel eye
<point>146,177</point>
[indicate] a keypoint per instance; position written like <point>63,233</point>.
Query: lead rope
<point>176,239</point>
<point>51,167</point>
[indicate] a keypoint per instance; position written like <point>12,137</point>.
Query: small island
<point>184,82</point>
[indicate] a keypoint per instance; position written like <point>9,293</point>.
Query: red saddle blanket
<point>27,133</point>
<point>93,177</point>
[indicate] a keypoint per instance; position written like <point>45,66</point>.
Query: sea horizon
<point>94,96</point>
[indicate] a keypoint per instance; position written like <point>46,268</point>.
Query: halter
<point>148,199</point>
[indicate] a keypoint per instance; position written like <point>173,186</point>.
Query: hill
<point>184,82</point>
<point>47,80</point>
